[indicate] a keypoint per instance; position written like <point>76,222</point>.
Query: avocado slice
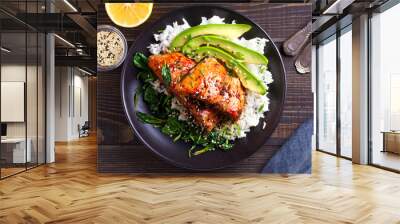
<point>226,30</point>
<point>237,51</point>
<point>248,79</point>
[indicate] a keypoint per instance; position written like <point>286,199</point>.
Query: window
<point>346,92</point>
<point>326,95</point>
<point>22,76</point>
<point>335,74</point>
<point>385,89</point>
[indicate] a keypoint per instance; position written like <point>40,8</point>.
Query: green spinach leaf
<point>136,96</point>
<point>145,76</point>
<point>150,119</point>
<point>208,148</point>
<point>172,127</point>
<point>140,61</point>
<point>152,99</point>
<point>166,75</point>
<point>150,96</point>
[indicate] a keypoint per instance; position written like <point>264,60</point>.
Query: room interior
<point>56,114</point>
<point>333,53</point>
<point>22,102</point>
<point>25,65</point>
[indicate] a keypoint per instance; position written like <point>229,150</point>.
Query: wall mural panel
<point>121,149</point>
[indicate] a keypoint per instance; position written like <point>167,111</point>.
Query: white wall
<point>16,73</point>
<point>33,126</point>
<point>62,82</point>
<point>80,111</point>
<point>13,99</point>
<point>71,102</point>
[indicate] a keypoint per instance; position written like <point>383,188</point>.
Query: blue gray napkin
<point>295,154</point>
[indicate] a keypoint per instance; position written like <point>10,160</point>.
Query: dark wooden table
<point>119,151</point>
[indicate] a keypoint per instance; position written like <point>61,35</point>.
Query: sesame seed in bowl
<point>111,48</point>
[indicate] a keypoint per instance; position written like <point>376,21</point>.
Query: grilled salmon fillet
<point>204,116</point>
<point>179,66</point>
<point>210,83</point>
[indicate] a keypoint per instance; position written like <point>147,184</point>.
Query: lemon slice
<point>129,14</point>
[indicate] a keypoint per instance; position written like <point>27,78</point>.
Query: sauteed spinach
<point>164,117</point>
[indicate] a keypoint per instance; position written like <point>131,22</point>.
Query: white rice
<point>212,20</point>
<point>256,104</point>
<point>166,36</point>
<point>256,44</point>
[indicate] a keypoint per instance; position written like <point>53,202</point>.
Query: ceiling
<point>331,15</point>
<point>74,21</point>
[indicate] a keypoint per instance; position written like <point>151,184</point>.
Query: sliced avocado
<point>242,53</point>
<point>248,79</point>
<point>226,30</point>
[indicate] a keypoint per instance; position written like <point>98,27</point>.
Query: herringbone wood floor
<point>70,191</point>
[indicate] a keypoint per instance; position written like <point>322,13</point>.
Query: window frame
<point>338,33</point>
<point>32,30</point>
<point>381,9</point>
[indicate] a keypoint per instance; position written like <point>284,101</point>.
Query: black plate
<point>177,152</point>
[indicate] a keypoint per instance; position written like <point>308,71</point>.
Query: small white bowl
<point>109,28</point>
